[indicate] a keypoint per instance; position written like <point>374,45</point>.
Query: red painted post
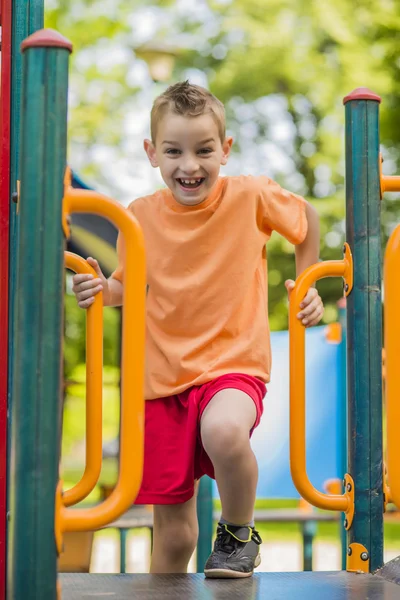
<point>5,101</point>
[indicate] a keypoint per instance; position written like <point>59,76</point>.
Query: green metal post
<point>35,436</point>
<point>123,539</point>
<point>308,530</point>
<point>27,17</point>
<point>364,322</point>
<point>205,516</point>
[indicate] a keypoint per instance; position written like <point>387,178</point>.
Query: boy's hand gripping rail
<point>94,389</point>
<point>132,367</point>
<point>391,283</point>
<point>335,268</point>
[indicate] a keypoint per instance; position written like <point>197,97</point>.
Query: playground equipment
<point>325,432</point>
<point>37,512</point>
<point>392,345</point>
<point>94,390</point>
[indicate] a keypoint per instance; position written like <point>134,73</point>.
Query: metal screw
<point>348,487</point>
<point>349,551</point>
<point>364,556</point>
<point>8,516</point>
<point>14,197</point>
<point>345,523</point>
<point>346,287</point>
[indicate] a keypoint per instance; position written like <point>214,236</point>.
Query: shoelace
<point>228,543</point>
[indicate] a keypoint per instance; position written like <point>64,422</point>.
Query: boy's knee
<point>225,441</point>
<point>178,539</point>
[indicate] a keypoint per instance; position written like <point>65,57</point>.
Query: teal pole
<point>123,538</point>
<point>364,322</point>
<point>308,530</point>
<point>27,17</point>
<point>36,423</point>
<point>205,516</point>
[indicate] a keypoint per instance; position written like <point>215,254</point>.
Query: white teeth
<point>191,181</point>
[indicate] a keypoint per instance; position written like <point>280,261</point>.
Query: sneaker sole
<point>229,573</point>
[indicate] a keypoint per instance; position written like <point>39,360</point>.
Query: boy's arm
<point>115,292</point>
<point>307,254</point>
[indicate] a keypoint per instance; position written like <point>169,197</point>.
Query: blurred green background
<point>281,67</point>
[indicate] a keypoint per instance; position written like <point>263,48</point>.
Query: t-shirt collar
<point>215,192</point>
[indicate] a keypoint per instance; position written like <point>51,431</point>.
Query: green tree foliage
<point>282,69</point>
<point>101,87</point>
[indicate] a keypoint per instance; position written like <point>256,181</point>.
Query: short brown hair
<point>189,100</point>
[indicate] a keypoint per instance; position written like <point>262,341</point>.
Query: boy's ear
<point>226,150</point>
<point>151,152</point>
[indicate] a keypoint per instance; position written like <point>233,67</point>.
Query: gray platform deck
<point>268,586</point>
<point>140,516</point>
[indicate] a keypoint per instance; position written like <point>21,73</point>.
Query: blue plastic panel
<point>270,440</point>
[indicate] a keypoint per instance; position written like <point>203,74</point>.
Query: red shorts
<point>174,456</point>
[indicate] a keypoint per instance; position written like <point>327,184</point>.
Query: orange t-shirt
<point>207,311</point>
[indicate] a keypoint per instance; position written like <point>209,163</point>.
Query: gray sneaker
<point>236,552</point>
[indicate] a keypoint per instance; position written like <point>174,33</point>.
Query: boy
<point>207,334</point>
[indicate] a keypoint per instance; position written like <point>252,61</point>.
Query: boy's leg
<point>174,537</point>
<point>225,427</point>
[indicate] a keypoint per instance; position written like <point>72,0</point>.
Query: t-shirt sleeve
<point>282,211</point>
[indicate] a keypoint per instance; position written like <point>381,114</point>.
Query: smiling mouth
<point>191,184</point>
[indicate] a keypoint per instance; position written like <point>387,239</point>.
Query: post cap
<point>46,38</point>
<point>361,93</point>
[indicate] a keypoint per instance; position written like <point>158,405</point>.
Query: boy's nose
<point>190,165</point>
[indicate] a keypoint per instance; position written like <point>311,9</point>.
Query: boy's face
<point>189,153</point>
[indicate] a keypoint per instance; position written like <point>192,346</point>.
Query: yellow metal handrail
<point>94,389</point>
<point>391,283</point>
<point>388,183</point>
<point>132,369</point>
<point>334,268</point>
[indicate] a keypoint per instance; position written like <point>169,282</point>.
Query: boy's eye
<point>205,150</point>
<point>172,151</point>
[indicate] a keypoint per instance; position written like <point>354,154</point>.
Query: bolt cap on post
<point>46,38</point>
<point>362,93</point>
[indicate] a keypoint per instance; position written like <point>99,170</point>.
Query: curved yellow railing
<point>391,283</point>
<point>388,183</point>
<point>339,268</point>
<point>94,389</point>
<point>132,369</point>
